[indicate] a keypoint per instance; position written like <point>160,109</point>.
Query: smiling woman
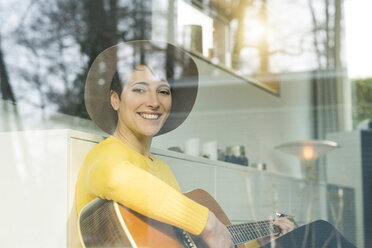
<point>134,91</point>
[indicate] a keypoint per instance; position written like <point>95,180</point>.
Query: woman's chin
<point>150,132</point>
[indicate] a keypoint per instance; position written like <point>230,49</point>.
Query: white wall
<point>235,112</point>
<point>25,117</point>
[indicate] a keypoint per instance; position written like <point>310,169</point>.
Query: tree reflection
<point>267,33</point>
<point>6,88</point>
<point>59,39</point>
<point>55,41</point>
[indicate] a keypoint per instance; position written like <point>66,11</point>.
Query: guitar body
<point>105,223</point>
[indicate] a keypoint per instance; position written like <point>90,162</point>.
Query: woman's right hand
<point>215,234</point>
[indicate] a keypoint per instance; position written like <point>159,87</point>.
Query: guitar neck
<point>242,233</point>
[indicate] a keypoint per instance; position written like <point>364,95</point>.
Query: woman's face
<point>144,104</point>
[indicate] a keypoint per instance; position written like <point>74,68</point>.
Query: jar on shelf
<point>236,155</point>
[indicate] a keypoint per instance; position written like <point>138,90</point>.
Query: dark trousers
<point>317,234</point>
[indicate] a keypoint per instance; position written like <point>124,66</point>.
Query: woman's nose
<point>153,100</point>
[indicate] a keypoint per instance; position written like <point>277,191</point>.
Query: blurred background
<point>272,73</point>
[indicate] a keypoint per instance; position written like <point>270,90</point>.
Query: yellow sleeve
<point>114,179</point>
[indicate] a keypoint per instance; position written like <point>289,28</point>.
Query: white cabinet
<point>190,173</point>
<point>79,145</point>
<point>39,171</point>
<point>248,194</point>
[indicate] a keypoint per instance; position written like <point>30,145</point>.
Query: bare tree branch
<point>6,88</point>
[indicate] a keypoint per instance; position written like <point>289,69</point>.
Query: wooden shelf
<point>268,82</point>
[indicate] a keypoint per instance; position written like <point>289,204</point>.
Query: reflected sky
<point>358,21</point>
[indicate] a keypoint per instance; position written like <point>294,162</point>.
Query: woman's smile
<point>150,116</point>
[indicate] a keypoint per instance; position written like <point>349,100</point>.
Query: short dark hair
<point>163,62</point>
<point>116,84</point>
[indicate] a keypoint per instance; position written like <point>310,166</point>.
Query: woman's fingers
<point>285,225</point>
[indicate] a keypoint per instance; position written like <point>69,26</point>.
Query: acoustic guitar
<point>104,223</point>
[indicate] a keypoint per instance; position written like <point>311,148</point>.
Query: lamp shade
<point>308,151</point>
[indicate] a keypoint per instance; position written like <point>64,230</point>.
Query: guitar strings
<point>245,232</point>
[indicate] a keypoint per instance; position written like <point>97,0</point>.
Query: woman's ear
<point>115,101</point>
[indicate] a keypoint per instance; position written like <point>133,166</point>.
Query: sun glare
<point>358,38</point>
<point>255,31</point>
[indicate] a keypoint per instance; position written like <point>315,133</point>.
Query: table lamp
<point>308,151</point>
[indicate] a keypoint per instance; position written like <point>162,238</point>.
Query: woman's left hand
<point>285,224</point>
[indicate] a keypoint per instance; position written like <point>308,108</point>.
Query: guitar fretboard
<point>242,233</point>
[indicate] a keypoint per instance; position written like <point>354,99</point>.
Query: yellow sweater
<point>113,171</point>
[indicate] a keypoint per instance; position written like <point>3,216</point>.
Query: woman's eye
<point>139,90</point>
<point>165,92</point>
